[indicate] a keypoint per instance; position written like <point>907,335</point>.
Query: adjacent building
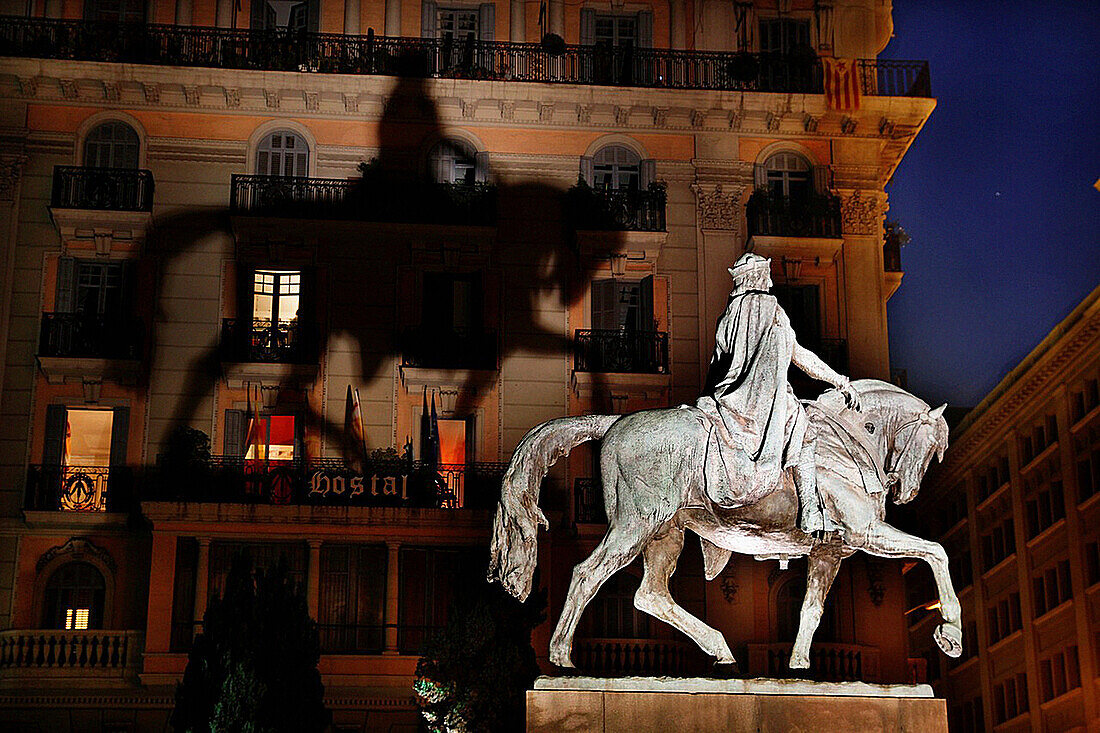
<point>1017,512</point>
<point>232,235</point>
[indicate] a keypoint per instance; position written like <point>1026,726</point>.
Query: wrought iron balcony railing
<point>78,335</point>
<point>384,200</point>
<point>236,480</point>
<point>79,488</point>
<point>110,189</point>
<point>443,349</point>
<point>282,342</point>
<point>588,501</point>
<point>778,216</point>
<point>604,209</point>
<point>637,352</point>
<point>227,48</point>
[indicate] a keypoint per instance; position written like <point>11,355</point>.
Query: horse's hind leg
<point>653,597</point>
<point>821,568</point>
<point>618,548</point>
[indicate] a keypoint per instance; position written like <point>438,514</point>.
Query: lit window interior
<point>452,442</point>
<point>76,619</point>
<point>276,295</point>
<point>271,437</point>
<point>88,437</point>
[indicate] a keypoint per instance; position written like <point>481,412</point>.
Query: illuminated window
<point>86,458</point>
<point>282,153</point>
<point>453,161</point>
<point>111,145</point>
<point>276,296</point>
<point>74,597</point>
<point>623,305</point>
<point>270,437</point>
<point>616,167</point>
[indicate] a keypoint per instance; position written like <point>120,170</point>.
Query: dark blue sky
<point>997,190</point>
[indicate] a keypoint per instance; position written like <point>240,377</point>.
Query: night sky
<point>997,191</point>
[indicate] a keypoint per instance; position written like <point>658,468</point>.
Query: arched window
<point>616,167</point>
<point>789,612</point>
<point>789,175</point>
<point>115,11</point>
<point>112,145</point>
<point>282,153</point>
<point>454,161</point>
<point>74,598</point>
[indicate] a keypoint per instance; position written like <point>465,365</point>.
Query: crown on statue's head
<point>748,263</point>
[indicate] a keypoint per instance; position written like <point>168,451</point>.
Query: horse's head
<point>914,443</point>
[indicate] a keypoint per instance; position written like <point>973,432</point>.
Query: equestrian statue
<point>749,468</point>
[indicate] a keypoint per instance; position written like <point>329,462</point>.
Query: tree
<point>254,666</point>
<point>475,673</point>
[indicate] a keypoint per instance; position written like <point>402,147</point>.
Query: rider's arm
<point>811,364</point>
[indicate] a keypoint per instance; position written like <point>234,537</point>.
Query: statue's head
<point>751,272</point>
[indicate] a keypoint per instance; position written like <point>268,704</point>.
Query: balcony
<point>56,655</point>
<point>79,488</point>
<point>104,189</point>
<point>259,351</point>
<point>428,348</point>
<point>817,217</point>
<point>376,199</point>
<point>79,347</point>
<point>632,352</point>
<point>629,657</point>
<point>327,482</point>
<point>617,210</point>
<point>828,662</point>
<point>428,57</point>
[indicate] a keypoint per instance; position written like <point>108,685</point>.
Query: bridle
<point>923,419</point>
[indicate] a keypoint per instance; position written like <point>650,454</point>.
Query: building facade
<point>265,227</point>
<point>1017,514</point>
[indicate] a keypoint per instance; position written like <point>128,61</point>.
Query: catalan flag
<point>842,84</point>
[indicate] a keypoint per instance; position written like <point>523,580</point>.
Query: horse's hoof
<point>949,639</point>
<point>730,670</point>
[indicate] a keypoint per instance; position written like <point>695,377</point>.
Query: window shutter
<point>588,171</point>
<point>66,285</point>
<point>256,16</point>
<point>487,21</point>
<point>120,432</point>
<point>55,435</point>
<point>427,19</point>
<point>233,436</point>
<point>648,171</point>
<point>761,175</point>
<point>645,29</point>
<point>442,169</point>
<point>482,167</point>
<point>313,21</point>
<point>645,305</point>
<point>588,27</point>
<point>821,179</point>
<point>605,299</point>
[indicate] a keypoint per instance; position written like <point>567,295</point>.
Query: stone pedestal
<point>659,704</point>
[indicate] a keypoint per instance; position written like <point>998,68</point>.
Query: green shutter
<point>427,19</point>
<point>233,435</point>
<point>66,285</point>
<point>588,27</point>
<point>55,435</point>
<point>120,431</point>
<point>486,21</point>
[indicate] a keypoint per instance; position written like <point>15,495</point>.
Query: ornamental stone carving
<point>507,109</point>
<point>860,213</point>
<point>191,96</point>
<point>11,168</point>
<point>77,548</point>
<point>546,112</point>
<point>584,114</point>
<point>232,98</point>
<point>718,209</point>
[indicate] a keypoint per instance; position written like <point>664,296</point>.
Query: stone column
<point>862,211</point>
<point>224,16</point>
<point>393,18</point>
<point>202,581</point>
<point>351,17</point>
<point>393,587</point>
<point>183,12</point>
<point>557,17</point>
<point>677,25</point>
<point>158,616</point>
<point>11,173</point>
<point>517,21</point>
<point>313,579</point>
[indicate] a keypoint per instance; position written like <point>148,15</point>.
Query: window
<point>1092,563</point>
<point>351,614</point>
<point>1010,698</point>
<point>454,161</point>
<point>789,609</point>
<point>1084,400</point>
<point>802,304</point>
<point>276,297</point>
<point>1004,617</point>
<point>115,11</point>
<point>111,145</point>
<point>265,556</point>
<point>456,24</point>
<point>1059,673</point>
<point>285,15</point>
<point>962,571</point>
<point>617,168</point>
<point>788,175</point>
<point>784,36</point>
<point>616,30</point>
<point>992,477</point>
<point>81,446</point>
<point>998,544</point>
<point>282,153</point>
<point>1043,434</point>
<point>74,598</point>
<point>431,580</point>
<point>1052,588</point>
<point>453,303</point>
<point>969,717</point>
<point>1086,448</point>
<point>270,437</point>
<point>611,614</point>
<point>1045,508</point>
<point>623,305</point>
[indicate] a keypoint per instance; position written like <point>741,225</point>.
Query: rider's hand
<point>851,397</point>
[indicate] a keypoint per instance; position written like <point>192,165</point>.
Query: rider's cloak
<point>748,391</point>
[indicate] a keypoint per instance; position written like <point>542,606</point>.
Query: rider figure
<point>763,426</point>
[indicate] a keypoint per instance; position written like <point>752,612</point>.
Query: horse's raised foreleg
<point>618,548</point>
<point>653,597</point>
<point>886,541</point>
<point>821,567</point>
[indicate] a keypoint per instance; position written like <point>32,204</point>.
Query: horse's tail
<point>514,550</point>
